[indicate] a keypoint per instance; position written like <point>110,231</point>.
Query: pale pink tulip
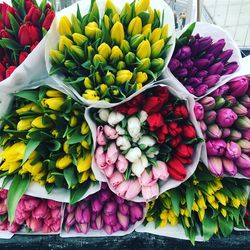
<point>160,171</point>
<point>100,158</point>
<point>110,132</point>
<point>133,190</point>
<point>116,179</point>
<point>109,170</point>
<point>112,154</point>
<point>151,192</point>
<point>100,138</point>
<point>147,179</point>
<point>122,164</point>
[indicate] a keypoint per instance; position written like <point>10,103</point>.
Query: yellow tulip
<point>186,221</point>
<point>111,6</point>
<point>92,177</point>
<point>79,39</point>
<point>224,212</point>
<point>123,76</point>
<point>55,133</point>
<point>84,128</point>
<point>164,215</point>
<point>155,35</point>
<point>210,199</point>
<point>201,214</point>
<point>115,92</point>
<point>201,202</point>
<point>172,218</point>
<point>78,52</point>
<point>10,166</point>
<point>54,93</point>
<point>85,144</point>
<point>56,56</point>
<point>151,15</point>
<point>146,29</point>
<point>217,185</point>
<point>144,50</point>
<point>103,88</point>
<point>163,223</point>
<point>36,108</point>
<point>235,202</point>
<point>121,65</point>
<point>164,32</point>
<point>53,117</point>
<point>195,207</point>
<point>38,123</point>
<point>104,50</point>
<point>24,124</point>
<point>91,29</point>
<point>63,161</point>
<point>126,13</point>
<point>98,59</point>
<point>38,177</point>
<point>84,163</point>
<point>87,83</point>
<point>117,33</point>
<point>150,219</point>
<point>223,199</point>
<point>98,77</point>
<point>215,205</point>
<point>66,147</point>
<point>24,109</point>
<point>116,54</point>
<point>106,22</point>
<point>14,152</point>
<point>33,169</point>
<point>73,121</point>
<point>144,64</point>
<point>115,18</point>
<point>54,103</point>
<point>64,26</point>
<point>157,48</point>
<point>125,47</point>
<point>141,77</point>
<point>64,42</point>
<point>109,78</point>
<point>84,176</point>
<point>141,6</point>
<point>50,179</point>
<point>135,26</point>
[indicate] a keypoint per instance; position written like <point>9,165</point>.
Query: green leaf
<point>70,176</point>
<point>226,226</point>
<point>3,217</point>
<point>188,32</point>
<point>14,24</point>
<point>6,180</point>
<point>53,5</point>
<point>49,187</point>
<point>43,5</point>
<point>55,69</point>
<point>77,193</point>
<point>157,222</point>
<point>208,227</point>
<point>76,137</point>
<point>190,193</point>
<point>175,199</point>
<point>10,44</point>
<point>31,95</point>
<point>53,145</point>
<point>17,189</point>
<point>31,146</point>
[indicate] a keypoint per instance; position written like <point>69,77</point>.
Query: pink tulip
<point>150,192</point>
<point>199,111</point>
<point>3,193</point>
<point>229,166</point>
<point>110,132</point>
<point>84,228</point>
<point>122,188</point>
<point>112,154</point>
<point>116,179</point>
<point>4,225</point>
<point>121,164</point>
<point>108,229</point>
<point>96,206</point>
<point>123,220</point>
<point>215,165</point>
<point>110,208</point>
<point>99,222</point>
<point>70,220</point>
<point>70,208</point>
<point>133,190</point>
<point>100,158</point>
<point>117,227</point>
<point>226,117</point>
<point>34,224</point>
<point>110,220</point>
<point>13,228</point>
<point>109,170</point>
<point>100,138</point>
<point>245,172</point>
<point>160,171</point>
<point>136,212</point>
<point>124,209</point>
<point>46,229</point>
<point>147,179</point>
<point>104,195</point>
<point>30,203</point>
<point>56,214</point>
<point>246,134</point>
<point>55,227</point>
<point>53,204</point>
<point>243,161</point>
<point>41,211</point>
<point>21,216</point>
<point>233,150</point>
<point>238,86</point>
<point>3,207</point>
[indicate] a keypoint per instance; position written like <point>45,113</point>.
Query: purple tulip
<point>229,167</point>
<point>221,91</point>
<point>174,64</point>
<point>202,73</point>
<point>117,227</point>
<point>208,103</point>
<point>203,126</point>
<point>201,90</point>
<point>233,151</point>
<point>216,69</point>
<point>110,208</point>
<point>216,48</point>
<point>104,195</point>
<point>94,216</point>
<point>245,172</point>
<point>225,55</point>
<point>240,110</point>
<point>210,57</point>
<point>201,44</point>
<point>124,209</point>
<point>188,64</point>
<point>136,212</point>
<point>70,208</point>
<point>183,53</point>
<point>213,131</point>
<point>246,134</point>
<point>243,123</point>
<point>84,228</point>
<point>230,68</point>
<point>245,100</point>
<point>226,117</point>
<point>123,220</point>
<point>243,161</point>
<point>238,86</point>
<point>226,132</point>
<point>190,89</point>
<point>235,135</point>
<point>70,220</point>
<point>180,72</point>
<point>216,147</point>
<point>82,216</point>
<point>211,80</point>
<point>194,81</point>
<point>99,222</point>
<point>215,165</point>
<point>119,200</point>
<point>192,71</point>
<point>110,220</point>
<point>201,63</point>
<point>210,117</point>
<point>244,145</point>
<point>96,205</point>
<point>199,111</point>
<point>108,229</point>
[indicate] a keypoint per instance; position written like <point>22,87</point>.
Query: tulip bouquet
<point>3,210</point>
<point>199,62</point>
<point>46,139</point>
<point>22,26</point>
<point>103,211</point>
<point>203,205</point>
<point>146,145</point>
<point>247,215</point>
<point>224,118</point>
<point>112,57</point>
<point>33,214</point>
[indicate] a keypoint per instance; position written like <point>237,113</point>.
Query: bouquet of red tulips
<point>146,145</point>
<point>22,26</point>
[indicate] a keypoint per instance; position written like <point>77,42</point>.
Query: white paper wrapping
<point>170,183</point>
<point>6,235</point>
<point>53,38</point>
<point>216,33</point>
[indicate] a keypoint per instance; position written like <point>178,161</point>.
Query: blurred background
<point>232,15</point>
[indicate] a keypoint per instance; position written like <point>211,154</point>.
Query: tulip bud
<point>56,56</point>
<point>91,52</point>
<point>64,26</point>
<point>210,117</point>
<point>141,77</point>
<point>233,151</point>
<point>243,123</point>
<point>211,80</point>
<point>157,48</point>
<point>245,172</point>
<point>135,26</point>
<point>64,42</point>
<point>78,52</point>
<point>215,166</point>
<point>144,64</point>
<point>54,103</point>
<point>226,132</point>
<point>116,54</point>
<point>245,145</point>
<point>216,69</point>
<point>213,131</point>
<point>70,64</point>
<point>125,47</point>
<point>150,192</point>
<point>235,135</point>
<point>117,33</point>
<point>109,78</point>
<point>138,165</point>
<point>110,6</point>
<point>136,40</point>
<point>240,110</point>
<point>174,64</point>
<point>123,76</point>
<point>155,35</point>
<point>201,90</point>
<point>229,166</point>
<point>243,161</point>
<point>123,220</point>
<point>98,59</point>
<point>216,47</point>
<point>104,50</point>
<point>141,5</point>
<point>110,208</point>
<point>215,147</point>
<point>245,100</point>
<point>225,55</point>
<point>230,68</point>
<point>230,101</point>
<point>24,124</point>
<point>157,64</point>
<point>130,58</point>
<point>238,86</point>
<point>226,118</point>
<point>91,29</point>
<point>199,111</point>
<point>126,13</point>
<point>88,83</point>
<point>143,50</point>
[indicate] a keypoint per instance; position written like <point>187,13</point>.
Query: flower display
<point>33,214</point>
<point>144,143</point>
<point>112,57</point>
<point>199,62</point>
<point>103,211</point>
<point>204,204</point>
<point>22,26</point>
<point>225,123</point>
<point>46,139</point>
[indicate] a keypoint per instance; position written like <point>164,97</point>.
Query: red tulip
<point>48,19</point>
<point>34,15</point>
<point>22,56</point>
<point>181,111</point>
<point>28,4</point>
<point>176,169</point>
<point>5,17</point>
<point>174,129</point>
<point>28,34</point>
<point>5,34</point>
<point>10,70</point>
<point>2,72</point>
<point>184,151</point>
<point>188,132</point>
<point>155,121</point>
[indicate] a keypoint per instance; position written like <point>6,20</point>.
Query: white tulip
<point>152,152</point>
<point>120,130</point>
<point>137,138</point>
<point>114,118</point>
<point>147,141</point>
<point>133,154</point>
<point>103,114</point>
<point>143,116</point>
<point>139,165</point>
<point>123,143</point>
<point>134,127</point>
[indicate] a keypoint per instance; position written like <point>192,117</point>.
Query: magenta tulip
<point>199,111</point>
<point>215,165</point>
<point>243,161</point>
<point>238,86</point>
<point>216,147</point>
<point>229,167</point>
<point>226,117</point>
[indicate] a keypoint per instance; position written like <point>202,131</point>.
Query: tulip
<point>202,63</point>
<point>64,27</point>
<point>190,89</point>
<point>124,209</point>
<point>208,103</point>
<point>28,34</point>
<point>112,154</point>
<point>121,164</point>
<point>53,204</point>
<point>183,53</point>
<point>240,110</point>
<point>150,192</point>
<point>216,69</point>
<point>199,111</point>
<point>114,118</point>
<point>157,48</point>
<point>160,171</point>
<point>245,145</point>
<point>34,224</point>
<point>48,20</point>
<point>63,162</point>
<point>214,131</point>
<point>139,165</point>
<point>110,220</point>
<point>33,15</point>
<point>141,5</point>
<point>211,80</point>
<point>226,132</point>
<point>41,211</point>
<point>243,123</point>
<point>143,50</point>
<point>225,55</point>
<point>100,138</point>
<point>245,100</point>
<point>123,143</point>
<point>238,86</point>
<point>120,130</point>
<point>136,212</point>
<point>157,64</point>
<point>176,169</point>
<point>134,127</point>
<point>245,172</point>
<point>123,220</point>
<point>233,151</point>
<point>116,179</point>
<point>117,33</point>
<point>202,73</point>
<point>135,26</point>
<point>216,147</point>
<point>243,161</point>
<point>109,170</point>
<point>200,45</point>
<point>210,117</point>
<point>216,47</point>
<point>91,29</point>
<point>229,166</point>
<point>174,64</point>
<point>133,154</point>
<point>3,208</point>
<point>5,9</point>
<point>56,56</point>
<point>108,229</point>
<point>230,68</point>
<point>246,134</point>
<point>133,189</point>
<point>194,81</point>
<point>147,178</point>
<point>54,103</point>
<point>235,135</point>
<point>122,188</point>
<point>146,141</point>
<point>226,117</point>
<point>215,166</point>
<point>110,208</point>
<point>230,101</point>
<point>201,90</point>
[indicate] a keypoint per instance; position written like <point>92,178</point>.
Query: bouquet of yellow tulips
<point>112,57</point>
<point>46,139</point>
<point>204,205</point>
